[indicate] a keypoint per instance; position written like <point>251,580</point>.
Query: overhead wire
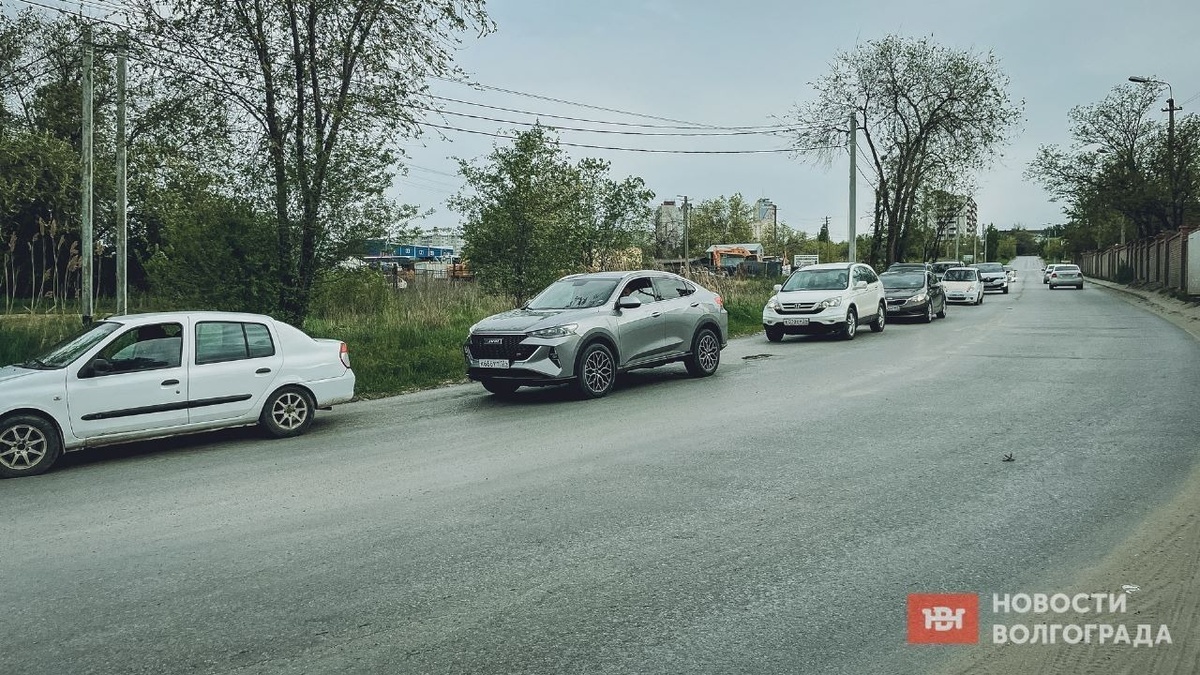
<point>726,131</point>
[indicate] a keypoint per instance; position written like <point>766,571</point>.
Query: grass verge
<point>399,341</point>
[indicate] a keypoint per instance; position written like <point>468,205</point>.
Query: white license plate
<point>795,322</point>
<point>493,363</point>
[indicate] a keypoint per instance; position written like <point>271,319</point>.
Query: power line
<point>574,103</point>
<point>606,131</point>
<point>649,150</point>
<point>594,121</point>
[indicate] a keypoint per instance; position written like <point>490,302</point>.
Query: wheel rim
<point>851,323</point>
<point>597,371</point>
<point>882,317</point>
<point>929,312</point>
<point>22,446</point>
<point>289,411</point>
<point>707,352</point>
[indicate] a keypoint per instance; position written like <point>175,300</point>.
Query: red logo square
<point>943,618</point>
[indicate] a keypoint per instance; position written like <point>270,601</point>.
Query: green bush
<point>1125,273</point>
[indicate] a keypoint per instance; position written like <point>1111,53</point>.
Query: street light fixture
<point>1176,211</point>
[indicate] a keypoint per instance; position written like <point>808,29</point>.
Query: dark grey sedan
<point>914,294</point>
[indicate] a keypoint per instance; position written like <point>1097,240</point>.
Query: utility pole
<point>1176,207</point>
<point>122,198</point>
<point>853,248</point>
<point>86,178</point>
<point>687,256</point>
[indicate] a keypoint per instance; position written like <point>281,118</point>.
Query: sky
<point>721,63</point>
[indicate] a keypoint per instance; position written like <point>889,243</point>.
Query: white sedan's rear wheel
<point>287,412</point>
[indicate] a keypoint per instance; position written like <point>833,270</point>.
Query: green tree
<point>327,89</point>
<point>516,207</point>
<point>929,116</point>
<point>608,217</point>
<point>823,235</point>
<point>721,220</point>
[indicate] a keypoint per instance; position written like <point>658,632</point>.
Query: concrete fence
<point>1162,260</point>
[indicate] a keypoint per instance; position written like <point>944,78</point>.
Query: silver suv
<point>586,328</point>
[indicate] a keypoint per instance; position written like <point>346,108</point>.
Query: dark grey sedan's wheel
<point>500,387</point>
<point>942,312</point>
<point>29,445</point>
<point>774,334</point>
<point>929,312</point>
<point>287,412</point>
<point>851,327</point>
<point>706,354</point>
<point>596,371</point>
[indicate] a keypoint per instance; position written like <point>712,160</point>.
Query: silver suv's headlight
<point>555,331</point>
<point>835,301</point>
<point>773,303</point>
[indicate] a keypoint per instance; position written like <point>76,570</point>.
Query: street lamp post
<point>1176,210</point>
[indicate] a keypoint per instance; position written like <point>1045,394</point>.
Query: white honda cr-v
<point>826,298</point>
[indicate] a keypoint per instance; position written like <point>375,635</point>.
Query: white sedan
<point>156,375</point>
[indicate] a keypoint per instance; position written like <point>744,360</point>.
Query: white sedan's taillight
<point>345,355</point>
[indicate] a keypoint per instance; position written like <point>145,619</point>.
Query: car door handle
<point>262,371</point>
<point>168,383</point>
<point>656,314</point>
<point>695,304</point>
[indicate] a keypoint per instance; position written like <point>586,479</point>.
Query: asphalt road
<point>770,519</point>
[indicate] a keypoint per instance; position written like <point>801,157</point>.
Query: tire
<point>1079,287</point>
<point>880,321</point>
<point>595,371</point>
<point>500,387</point>
<point>29,445</point>
<point>774,334</point>
<point>851,327</point>
<point>1006,290</point>
<point>706,354</point>
<point>288,412</point>
<point>942,314</point>
<point>929,312</point>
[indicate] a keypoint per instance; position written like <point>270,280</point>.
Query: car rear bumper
<point>334,390</point>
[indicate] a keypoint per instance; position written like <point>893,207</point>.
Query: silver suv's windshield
<point>893,280</point>
<point>578,293</point>
<point>818,280</point>
<point>62,354</point>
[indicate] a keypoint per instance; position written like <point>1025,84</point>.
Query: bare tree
<point>928,115</point>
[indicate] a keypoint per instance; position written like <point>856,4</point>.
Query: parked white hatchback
<point>146,376</point>
<point>826,298</point>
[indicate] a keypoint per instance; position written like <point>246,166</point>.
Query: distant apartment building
<point>766,215</point>
<point>668,228</point>
<point>957,213</point>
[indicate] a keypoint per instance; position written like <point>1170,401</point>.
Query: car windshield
<point>895,280</point>
<point>818,280</point>
<point>579,293</point>
<point>960,275</point>
<point>62,354</point>
<point>989,267</point>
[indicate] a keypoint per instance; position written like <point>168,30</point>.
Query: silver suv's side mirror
<point>778,287</point>
<point>629,302</point>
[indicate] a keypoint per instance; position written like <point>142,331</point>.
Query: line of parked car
<point>157,375</point>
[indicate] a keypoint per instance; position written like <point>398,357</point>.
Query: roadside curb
<point>1186,315</point>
